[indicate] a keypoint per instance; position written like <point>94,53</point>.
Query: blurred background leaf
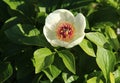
<point>5,71</point>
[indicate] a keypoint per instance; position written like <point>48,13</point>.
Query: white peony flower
<point>63,29</point>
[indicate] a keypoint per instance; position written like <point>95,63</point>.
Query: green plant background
<point>26,56</point>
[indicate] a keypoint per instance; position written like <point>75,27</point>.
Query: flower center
<point>65,31</point>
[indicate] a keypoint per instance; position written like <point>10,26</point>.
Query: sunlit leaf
<point>6,71</point>
<point>42,9</point>
<point>87,47</point>
<point>69,79</point>
<point>112,38</point>
<point>106,61</point>
<point>68,59</point>
<point>112,78</point>
<point>14,4</point>
<point>96,38</point>
<point>117,75</point>
<point>42,59</point>
<point>52,72</point>
<point>94,80</point>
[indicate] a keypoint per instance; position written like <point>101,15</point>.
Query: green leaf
<point>113,3</point>
<point>52,72</point>
<point>28,8</point>
<point>87,47</point>
<point>14,4</point>
<point>101,26</point>
<point>103,15</point>
<point>42,9</point>
<point>68,59</point>
<point>112,78</point>
<point>94,80</point>
<point>25,34</point>
<point>98,38</point>
<point>4,15</point>
<point>112,38</point>
<point>42,59</point>
<point>10,22</point>
<point>69,79</point>
<point>37,78</point>
<point>117,75</point>
<point>106,61</point>
<point>5,71</point>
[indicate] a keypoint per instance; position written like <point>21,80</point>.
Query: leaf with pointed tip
<point>69,79</point>
<point>112,78</point>
<point>97,38</point>
<point>106,61</point>
<point>117,75</point>
<point>68,59</point>
<point>13,4</point>
<point>94,80</point>
<point>5,71</point>
<point>87,47</point>
<point>112,38</point>
<point>42,59</point>
<point>52,72</point>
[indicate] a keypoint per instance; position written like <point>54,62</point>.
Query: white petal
<point>60,43</point>
<point>76,41</point>
<point>59,15</point>
<point>52,20</point>
<point>80,23</point>
<point>66,15</point>
<point>49,34</point>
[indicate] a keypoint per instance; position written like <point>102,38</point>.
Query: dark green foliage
<point>26,56</point>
